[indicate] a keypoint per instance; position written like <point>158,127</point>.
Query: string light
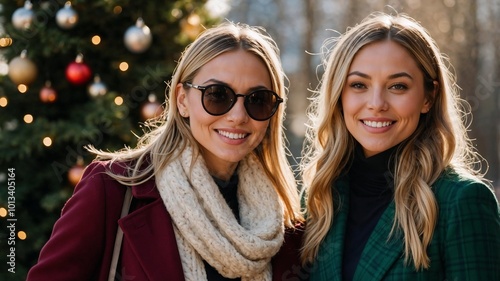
<point>3,212</point>
<point>193,19</point>
<point>5,42</point>
<point>118,100</point>
<point>123,66</point>
<point>47,141</point>
<point>28,118</point>
<point>3,101</point>
<point>22,88</point>
<point>96,40</point>
<point>22,235</point>
<point>176,13</point>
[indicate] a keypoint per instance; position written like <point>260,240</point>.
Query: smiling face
<point>383,96</point>
<point>226,139</point>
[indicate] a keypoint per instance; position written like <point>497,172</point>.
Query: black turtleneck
<point>229,190</point>
<point>370,192</point>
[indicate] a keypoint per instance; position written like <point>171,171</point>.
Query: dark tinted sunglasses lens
<point>217,99</point>
<point>261,105</point>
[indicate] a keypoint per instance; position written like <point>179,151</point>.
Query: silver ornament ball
<point>138,38</point>
<point>97,88</point>
<point>22,18</point>
<point>67,17</point>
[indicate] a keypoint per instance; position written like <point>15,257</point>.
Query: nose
<point>238,112</point>
<point>377,100</point>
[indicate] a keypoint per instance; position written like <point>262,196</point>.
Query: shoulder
<point>97,186</point>
<point>452,184</point>
<point>101,168</point>
<point>293,235</point>
<point>99,172</point>
<point>467,227</point>
<point>460,192</point>
<point>287,264</point>
<point>86,228</point>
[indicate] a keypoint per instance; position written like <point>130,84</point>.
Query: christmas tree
<point>79,73</point>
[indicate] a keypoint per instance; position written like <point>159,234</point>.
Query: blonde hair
<point>171,132</point>
<point>440,140</point>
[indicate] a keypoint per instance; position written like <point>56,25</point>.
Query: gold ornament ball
<point>191,26</point>
<point>22,71</point>
<point>75,174</point>
<point>151,110</point>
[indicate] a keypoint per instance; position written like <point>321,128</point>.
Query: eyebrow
<point>392,76</point>
<point>215,81</point>
<point>252,89</point>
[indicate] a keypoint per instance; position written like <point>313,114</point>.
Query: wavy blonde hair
<point>157,148</point>
<point>440,140</point>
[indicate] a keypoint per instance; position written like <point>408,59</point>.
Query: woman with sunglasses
<point>392,193</point>
<point>212,190</point>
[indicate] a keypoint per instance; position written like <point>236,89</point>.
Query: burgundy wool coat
<point>81,244</point>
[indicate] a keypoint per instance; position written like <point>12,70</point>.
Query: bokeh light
<point>28,118</point>
<point>96,39</point>
<point>22,235</point>
<point>3,101</point>
<point>22,88</point>
<point>3,212</point>
<point>118,100</point>
<point>123,66</point>
<point>47,141</point>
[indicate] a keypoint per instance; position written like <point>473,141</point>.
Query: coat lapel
<point>329,259</point>
<point>380,253</point>
<point>149,233</point>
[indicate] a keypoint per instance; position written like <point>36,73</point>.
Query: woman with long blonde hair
<point>212,191</point>
<point>389,181</point>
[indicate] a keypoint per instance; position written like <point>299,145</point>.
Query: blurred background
<point>91,72</point>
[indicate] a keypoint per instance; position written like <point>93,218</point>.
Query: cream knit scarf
<point>205,227</point>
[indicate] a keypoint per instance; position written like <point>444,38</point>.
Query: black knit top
<point>370,192</point>
<point>229,191</point>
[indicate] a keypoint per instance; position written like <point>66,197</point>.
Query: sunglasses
<point>218,99</point>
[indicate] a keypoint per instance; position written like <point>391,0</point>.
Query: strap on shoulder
<point>119,235</point>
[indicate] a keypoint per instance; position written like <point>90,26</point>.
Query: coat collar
<point>149,233</point>
<point>146,190</point>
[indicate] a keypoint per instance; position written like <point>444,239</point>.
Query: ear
<point>429,100</point>
<point>182,102</point>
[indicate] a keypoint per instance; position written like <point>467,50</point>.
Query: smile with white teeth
<point>231,135</point>
<point>375,124</point>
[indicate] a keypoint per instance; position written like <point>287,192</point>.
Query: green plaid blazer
<point>465,244</point>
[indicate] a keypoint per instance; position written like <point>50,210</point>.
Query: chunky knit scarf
<point>205,227</point>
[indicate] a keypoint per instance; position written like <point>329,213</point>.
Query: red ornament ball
<point>78,73</point>
<point>48,94</point>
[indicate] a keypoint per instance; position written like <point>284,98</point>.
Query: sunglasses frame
<point>202,89</point>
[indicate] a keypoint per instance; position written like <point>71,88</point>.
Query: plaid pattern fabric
<point>465,244</point>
